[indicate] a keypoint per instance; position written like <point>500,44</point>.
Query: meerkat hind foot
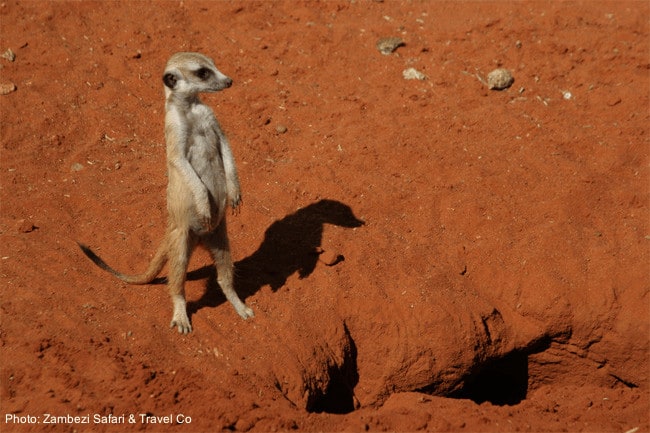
<point>183,326</point>
<point>182,322</point>
<point>244,311</point>
<point>180,319</point>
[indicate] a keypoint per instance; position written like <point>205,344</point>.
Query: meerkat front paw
<point>204,220</point>
<point>234,196</point>
<point>206,225</point>
<point>235,202</point>
<point>233,191</point>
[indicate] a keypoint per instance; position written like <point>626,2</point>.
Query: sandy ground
<point>420,254</point>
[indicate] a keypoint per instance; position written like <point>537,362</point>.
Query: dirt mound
<point>421,254</point>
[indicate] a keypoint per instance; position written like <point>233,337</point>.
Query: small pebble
<point>281,129</point>
<point>9,55</point>
<point>614,101</point>
<point>25,226</point>
<point>413,74</point>
<point>329,258</point>
<point>7,88</point>
<point>388,45</point>
<point>76,167</point>
<point>500,79</point>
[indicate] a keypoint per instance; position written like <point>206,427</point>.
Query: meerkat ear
<point>170,80</point>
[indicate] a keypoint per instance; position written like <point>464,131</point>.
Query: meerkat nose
<point>228,82</point>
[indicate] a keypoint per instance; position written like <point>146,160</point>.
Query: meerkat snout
<point>225,82</point>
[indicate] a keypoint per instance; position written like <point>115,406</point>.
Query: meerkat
<point>202,182</point>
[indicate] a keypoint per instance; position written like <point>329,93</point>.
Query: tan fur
<point>202,183</point>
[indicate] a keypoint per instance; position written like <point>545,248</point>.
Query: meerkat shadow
<point>290,245</point>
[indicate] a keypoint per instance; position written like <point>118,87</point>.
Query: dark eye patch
<point>203,73</point>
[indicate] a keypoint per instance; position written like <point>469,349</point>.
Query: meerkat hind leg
<point>181,244</point>
<point>218,245</point>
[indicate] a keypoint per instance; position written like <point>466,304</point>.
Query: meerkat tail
<point>155,266</point>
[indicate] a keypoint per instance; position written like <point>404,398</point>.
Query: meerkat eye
<point>203,73</point>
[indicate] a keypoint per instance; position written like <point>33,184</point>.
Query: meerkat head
<point>188,74</point>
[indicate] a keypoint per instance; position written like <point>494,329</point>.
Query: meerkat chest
<point>198,138</point>
<point>203,137</point>
<point>204,149</point>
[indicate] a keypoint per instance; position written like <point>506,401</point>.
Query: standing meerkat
<point>202,182</point>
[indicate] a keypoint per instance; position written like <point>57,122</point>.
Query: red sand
<point>500,281</point>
